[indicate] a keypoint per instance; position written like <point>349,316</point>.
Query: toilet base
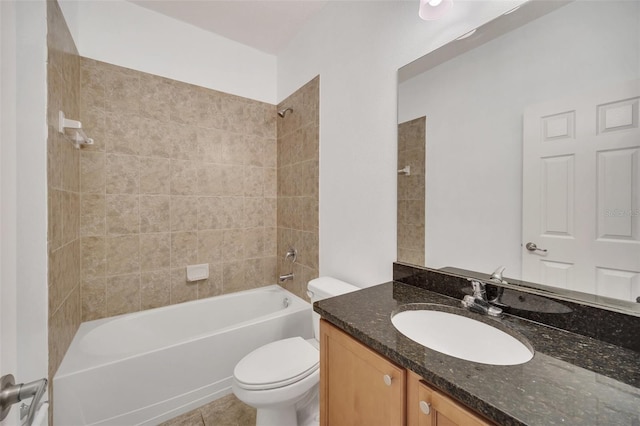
<point>277,417</point>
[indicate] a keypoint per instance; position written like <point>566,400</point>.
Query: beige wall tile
<point>184,249</point>
<point>215,179</point>
<point>254,243</point>
<point>184,177</point>
<point>123,174</point>
<point>155,138</point>
<point>55,218</point>
<point>254,179</point>
<point>181,290</point>
<point>71,216</point>
<point>221,212</point>
<point>209,145</point>
<point>270,213</point>
<point>122,90</point>
<point>270,241</point>
<point>233,278</point>
<point>184,213</point>
<point>254,151</point>
<point>270,182</point>
<point>54,155</point>
<point>155,289</point>
<point>121,133</point>
<point>185,142</point>
<point>123,294</point>
<point>253,273</point>
<point>92,172</point>
<point>62,327</point>
<point>92,82</point>
<point>70,159</point>
<point>213,285</point>
<point>92,214</point>
<point>232,244</point>
<point>232,148</point>
<point>199,164</point>
<point>94,122</point>
<point>155,175</point>
<point>94,298</point>
<point>155,213</point>
<point>155,97</point>
<point>254,212</point>
<point>123,214</point>
<point>155,251</point>
<point>123,254</point>
<point>94,256</point>
<point>64,274</point>
<point>210,246</point>
<point>183,107</point>
<point>297,185</point>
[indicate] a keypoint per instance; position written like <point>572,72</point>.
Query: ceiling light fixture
<point>430,10</point>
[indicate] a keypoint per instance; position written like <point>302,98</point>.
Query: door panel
<point>581,192</point>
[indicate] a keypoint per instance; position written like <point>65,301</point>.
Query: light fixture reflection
<point>430,10</point>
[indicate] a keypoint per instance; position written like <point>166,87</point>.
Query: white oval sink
<point>461,337</point>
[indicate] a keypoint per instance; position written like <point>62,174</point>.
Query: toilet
<point>280,379</point>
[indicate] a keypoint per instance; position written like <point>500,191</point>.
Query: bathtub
<point>147,367</point>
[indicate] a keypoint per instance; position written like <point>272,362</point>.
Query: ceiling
<point>265,25</point>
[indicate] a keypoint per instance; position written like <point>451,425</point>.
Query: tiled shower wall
<point>178,175</point>
<point>63,180</point>
<point>298,168</point>
<point>411,192</point>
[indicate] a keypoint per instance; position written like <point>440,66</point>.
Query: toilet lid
<point>277,364</point>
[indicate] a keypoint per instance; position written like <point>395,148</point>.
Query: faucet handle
<point>479,291</point>
<point>497,275</point>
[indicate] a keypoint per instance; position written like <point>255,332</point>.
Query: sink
<point>441,329</point>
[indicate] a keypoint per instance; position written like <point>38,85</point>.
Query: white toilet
<point>281,378</point>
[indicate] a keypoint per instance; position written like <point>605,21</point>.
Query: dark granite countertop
<point>571,380</point>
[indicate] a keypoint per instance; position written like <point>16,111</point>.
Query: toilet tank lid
<point>324,287</point>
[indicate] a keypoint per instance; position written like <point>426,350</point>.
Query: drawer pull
<point>387,379</point>
<point>425,407</point>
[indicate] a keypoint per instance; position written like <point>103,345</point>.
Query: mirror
<point>495,121</point>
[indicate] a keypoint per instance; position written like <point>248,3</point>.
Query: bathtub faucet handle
<point>292,254</point>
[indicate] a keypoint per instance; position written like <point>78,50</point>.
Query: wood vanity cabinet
<point>359,387</point>
<point>428,407</point>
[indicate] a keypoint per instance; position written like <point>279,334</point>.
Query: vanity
<point>371,374</point>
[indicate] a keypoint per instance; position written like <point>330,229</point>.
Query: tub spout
<point>286,277</point>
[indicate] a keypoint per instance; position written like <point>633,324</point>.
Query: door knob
<point>387,379</point>
<point>534,247</point>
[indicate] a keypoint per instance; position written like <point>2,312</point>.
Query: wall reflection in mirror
<point>532,136</point>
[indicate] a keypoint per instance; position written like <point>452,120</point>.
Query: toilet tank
<point>322,288</point>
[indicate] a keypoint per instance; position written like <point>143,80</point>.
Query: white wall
<point>357,47</point>
<point>125,34</point>
<point>474,106</point>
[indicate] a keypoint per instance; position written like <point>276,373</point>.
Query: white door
<point>581,192</point>
<point>8,317</point>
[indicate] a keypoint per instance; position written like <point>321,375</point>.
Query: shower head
<point>284,111</point>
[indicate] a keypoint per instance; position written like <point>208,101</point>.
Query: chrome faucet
<point>478,302</point>
<point>497,275</point>
<point>291,255</point>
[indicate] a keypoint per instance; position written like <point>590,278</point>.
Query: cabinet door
<point>357,385</point>
<point>428,407</point>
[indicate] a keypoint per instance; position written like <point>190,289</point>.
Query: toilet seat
<point>277,364</point>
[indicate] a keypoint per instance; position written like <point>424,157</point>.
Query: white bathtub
<point>150,366</point>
